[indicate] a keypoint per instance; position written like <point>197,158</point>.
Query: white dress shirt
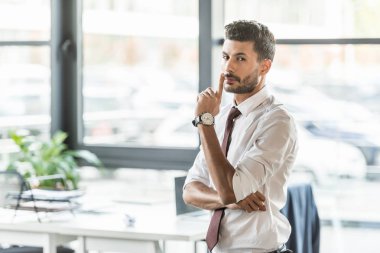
<point>262,150</point>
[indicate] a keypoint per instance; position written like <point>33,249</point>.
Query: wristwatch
<point>205,118</point>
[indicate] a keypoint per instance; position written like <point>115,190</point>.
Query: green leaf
<point>58,138</point>
<point>85,155</point>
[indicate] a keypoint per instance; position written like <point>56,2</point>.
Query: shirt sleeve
<point>275,142</point>
<point>198,171</point>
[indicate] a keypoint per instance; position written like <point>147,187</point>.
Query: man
<point>243,174</point>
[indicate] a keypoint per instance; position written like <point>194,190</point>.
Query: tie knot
<point>234,113</point>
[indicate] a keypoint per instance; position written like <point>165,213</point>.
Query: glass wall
<point>140,72</point>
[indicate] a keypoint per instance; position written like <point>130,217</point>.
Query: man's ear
<point>265,66</point>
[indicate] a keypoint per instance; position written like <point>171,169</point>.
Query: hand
<point>233,206</point>
<point>209,101</point>
<point>253,202</point>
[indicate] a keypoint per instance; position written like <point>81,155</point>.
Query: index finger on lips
<point>220,87</point>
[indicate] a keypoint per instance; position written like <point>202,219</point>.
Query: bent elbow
<point>228,198</point>
<point>186,197</point>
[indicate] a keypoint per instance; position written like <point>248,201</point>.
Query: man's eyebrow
<point>237,54</point>
<point>240,54</point>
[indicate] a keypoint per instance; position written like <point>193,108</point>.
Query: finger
<point>248,208</point>
<point>206,94</point>
<point>221,85</point>
<point>210,91</point>
<point>257,201</point>
<point>252,206</point>
<point>260,195</point>
<point>243,204</point>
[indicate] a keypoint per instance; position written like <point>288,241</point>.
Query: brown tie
<point>213,229</point>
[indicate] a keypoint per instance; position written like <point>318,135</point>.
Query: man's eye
<point>225,57</point>
<point>241,59</point>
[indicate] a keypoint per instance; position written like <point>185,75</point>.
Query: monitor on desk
<point>181,207</point>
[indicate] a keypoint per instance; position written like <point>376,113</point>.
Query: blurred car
<point>332,119</point>
<point>367,141</point>
<point>324,158</point>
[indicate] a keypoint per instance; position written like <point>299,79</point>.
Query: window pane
<point>333,92</point>
<point>343,72</point>
<point>140,73</point>
<point>309,18</point>
<point>24,20</point>
<point>25,90</point>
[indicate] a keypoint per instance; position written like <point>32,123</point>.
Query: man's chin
<point>238,90</point>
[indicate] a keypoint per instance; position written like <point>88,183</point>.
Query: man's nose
<point>229,66</point>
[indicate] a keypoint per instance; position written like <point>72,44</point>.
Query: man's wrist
<point>205,118</point>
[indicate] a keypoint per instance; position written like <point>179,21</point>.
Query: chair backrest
<point>302,213</point>
<point>181,207</point>
<point>11,184</point>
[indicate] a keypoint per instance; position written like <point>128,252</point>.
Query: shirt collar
<point>254,101</point>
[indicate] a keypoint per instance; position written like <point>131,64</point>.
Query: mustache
<point>228,75</point>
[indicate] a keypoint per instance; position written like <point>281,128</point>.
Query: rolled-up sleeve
<point>275,140</point>
<point>198,171</point>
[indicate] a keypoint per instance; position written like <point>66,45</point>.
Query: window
<point>140,72</point>
<point>25,81</point>
<point>141,68</point>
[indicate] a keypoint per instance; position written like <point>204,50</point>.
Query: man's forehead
<point>238,47</point>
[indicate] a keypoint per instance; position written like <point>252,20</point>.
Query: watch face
<point>207,118</point>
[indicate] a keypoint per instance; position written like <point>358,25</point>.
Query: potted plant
<point>47,159</point>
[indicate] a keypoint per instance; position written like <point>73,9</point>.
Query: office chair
<point>302,213</point>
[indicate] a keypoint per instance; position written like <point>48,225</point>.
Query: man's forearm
<point>199,195</point>
<point>220,169</point>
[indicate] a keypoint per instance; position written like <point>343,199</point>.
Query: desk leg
<point>50,245</point>
<point>157,248</point>
<point>81,244</point>
<point>163,246</point>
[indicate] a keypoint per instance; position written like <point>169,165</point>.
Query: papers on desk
<point>49,195</point>
<point>44,200</point>
<point>45,206</point>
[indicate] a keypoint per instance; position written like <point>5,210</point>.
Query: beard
<point>247,85</point>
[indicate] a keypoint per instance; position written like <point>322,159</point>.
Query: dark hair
<point>246,30</point>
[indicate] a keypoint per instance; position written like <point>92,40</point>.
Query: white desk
<point>31,233</point>
<point>107,232</point>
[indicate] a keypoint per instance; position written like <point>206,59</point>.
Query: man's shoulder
<point>276,109</point>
